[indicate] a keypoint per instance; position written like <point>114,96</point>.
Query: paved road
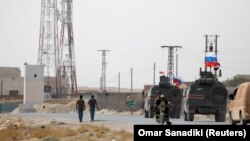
<point>129,119</point>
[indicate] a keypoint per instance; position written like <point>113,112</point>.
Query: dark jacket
<point>80,105</point>
<point>158,102</point>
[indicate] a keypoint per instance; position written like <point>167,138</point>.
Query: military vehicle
<point>207,95</point>
<point>172,94</point>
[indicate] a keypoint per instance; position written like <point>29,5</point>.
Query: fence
<point>8,107</point>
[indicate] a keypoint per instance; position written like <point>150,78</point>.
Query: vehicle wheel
<point>185,116</point>
<point>219,117</point>
<point>176,112</point>
<point>145,114</point>
<point>242,121</point>
<point>231,119</point>
<point>190,117</point>
<point>142,105</point>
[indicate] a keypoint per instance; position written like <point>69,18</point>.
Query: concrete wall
<point>51,81</point>
<point>116,101</point>
<point>33,84</point>
<point>10,80</point>
<point>8,84</point>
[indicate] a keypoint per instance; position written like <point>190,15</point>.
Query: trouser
<point>157,114</point>
<point>92,113</point>
<point>80,115</point>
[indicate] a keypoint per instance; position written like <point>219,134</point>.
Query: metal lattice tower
<point>103,76</point>
<point>67,53</point>
<point>57,55</point>
<point>171,61</point>
<point>48,39</point>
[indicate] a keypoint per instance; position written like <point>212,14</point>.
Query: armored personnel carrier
<point>207,95</point>
<point>172,94</point>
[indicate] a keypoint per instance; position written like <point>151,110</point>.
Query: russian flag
<point>177,80</point>
<point>210,59</point>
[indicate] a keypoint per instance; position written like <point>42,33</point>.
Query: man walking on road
<point>80,107</point>
<point>92,105</point>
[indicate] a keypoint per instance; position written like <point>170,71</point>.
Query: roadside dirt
<point>14,128</point>
<point>17,129</point>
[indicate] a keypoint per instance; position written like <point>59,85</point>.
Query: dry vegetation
<point>16,129</point>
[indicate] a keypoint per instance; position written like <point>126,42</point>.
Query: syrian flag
<point>216,66</point>
<point>177,80</point>
<point>162,73</point>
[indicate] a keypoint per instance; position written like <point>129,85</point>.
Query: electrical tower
<point>171,61</point>
<point>48,39</point>
<point>67,53</point>
<point>57,54</point>
<point>103,76</point>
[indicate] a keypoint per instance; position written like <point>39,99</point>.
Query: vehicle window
<point>235,91</point>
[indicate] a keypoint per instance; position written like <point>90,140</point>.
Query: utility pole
<point>211,47</point>
<point>171,61</point>
<point>206,42</point>
<point>216,51</point>
<point>176,71</point>
<point>1,87</point>
<point>154,75</point>
<point>104,64</point>
<point>131,80</point>
<point>119,82</point>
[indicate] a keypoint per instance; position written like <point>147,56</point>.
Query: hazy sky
<point>134,30</point>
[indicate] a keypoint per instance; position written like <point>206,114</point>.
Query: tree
<point>235,81</point>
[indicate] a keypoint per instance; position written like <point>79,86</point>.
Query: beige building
<point>11,82</point>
